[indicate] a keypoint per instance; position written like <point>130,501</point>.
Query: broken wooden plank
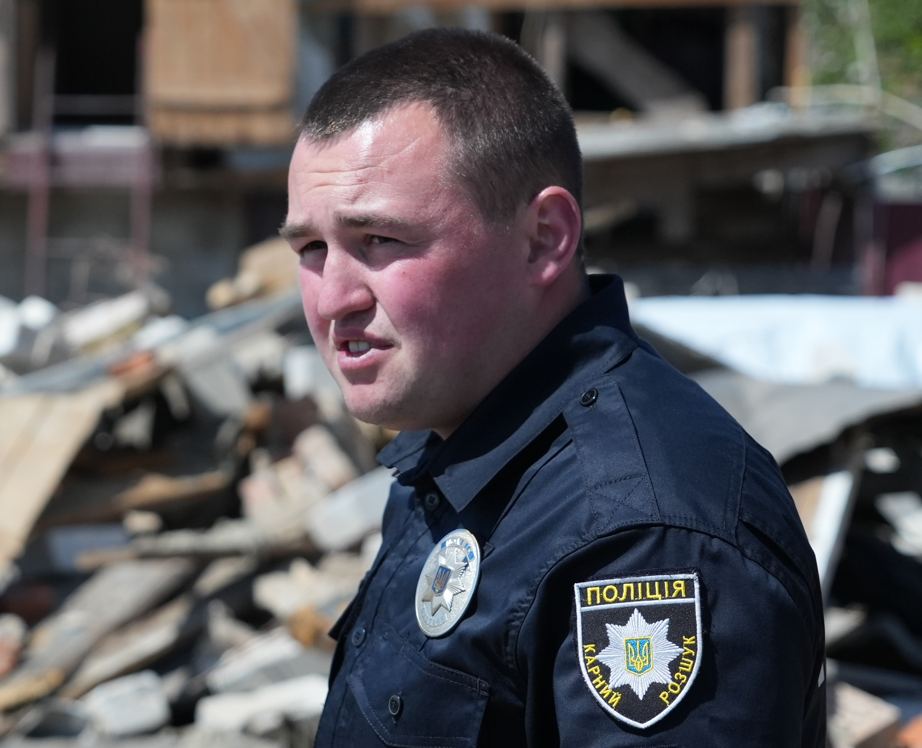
<point>226,538</point>
<point>136,645</point>
<point>140,643</point>
<point>41,436</point>
<point>153,491</point>
<point>108,600</point>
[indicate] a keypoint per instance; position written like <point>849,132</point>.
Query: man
<point>581,548</point>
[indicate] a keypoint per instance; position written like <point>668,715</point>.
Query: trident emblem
<point>637,655</point>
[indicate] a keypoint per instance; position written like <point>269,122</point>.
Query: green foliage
<point>831,41</point>
<point>898,32</point>
<point>832,27</point>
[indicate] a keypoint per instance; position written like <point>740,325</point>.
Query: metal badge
<point>447,583</point>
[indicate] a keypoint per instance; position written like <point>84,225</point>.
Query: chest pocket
<point>409,701</point>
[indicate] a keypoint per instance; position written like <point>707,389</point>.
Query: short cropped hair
<point>511,129</point>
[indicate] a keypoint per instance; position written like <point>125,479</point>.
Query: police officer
<point>580,548</point>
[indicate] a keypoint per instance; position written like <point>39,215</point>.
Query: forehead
<point>405,140</point>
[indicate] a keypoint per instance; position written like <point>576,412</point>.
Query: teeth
<point>359,346</point>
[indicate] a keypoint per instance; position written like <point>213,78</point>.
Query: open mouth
<point>358,347</point>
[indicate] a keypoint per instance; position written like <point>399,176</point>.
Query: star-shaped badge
<point>447,583</point>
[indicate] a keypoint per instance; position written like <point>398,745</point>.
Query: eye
<point>313,246</point>
<point>378,239</point>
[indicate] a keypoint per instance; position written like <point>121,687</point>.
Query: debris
<point>842,623</point>
<point>825,504</point>
<point>264,269</point>
<point>100,322</point>
<point>187,738</point>
<point>12,635</point>
<point>904,512</point>
<point>227,537</point>
<point>134,646</point>
<point>54,718</point>
<point>321,455</point>
<point>791,419</point>
<point>109,599</point>
<point>40,437</point>
<point>264,659</point>
<point>66,544</point>
<point>230,506</point>
<point>298,698</point>
<point>798,339</point>
<point>342,519</point>
<point>860,720</point>
<point>152,636</point>
<point>140,522</point>
<point>327,589</point>
<point>127,706</point>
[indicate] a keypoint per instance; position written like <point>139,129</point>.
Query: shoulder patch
<point>639,643</point>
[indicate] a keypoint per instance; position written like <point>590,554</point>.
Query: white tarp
<point>798,339</point>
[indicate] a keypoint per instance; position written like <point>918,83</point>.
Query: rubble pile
<point>188,508</point>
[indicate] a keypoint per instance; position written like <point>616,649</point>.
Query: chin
<point>375,413</point>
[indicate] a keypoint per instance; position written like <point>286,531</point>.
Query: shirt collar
<point>592,339</point>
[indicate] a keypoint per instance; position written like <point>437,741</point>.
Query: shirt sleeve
<point>681,640</point>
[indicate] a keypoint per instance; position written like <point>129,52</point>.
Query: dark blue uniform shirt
<point>593,466</point>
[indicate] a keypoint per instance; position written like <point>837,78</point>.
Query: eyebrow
<point>296,230</point>
<point>361,221</point>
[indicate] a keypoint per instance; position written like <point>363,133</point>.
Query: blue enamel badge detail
<point>639,643</point>
<point>441,580</point>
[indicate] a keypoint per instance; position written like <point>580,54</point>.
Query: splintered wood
<point>110,599</point>
<point>39,437</point>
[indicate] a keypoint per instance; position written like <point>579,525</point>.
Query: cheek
<point>443,312</point>
<point>309,284</point>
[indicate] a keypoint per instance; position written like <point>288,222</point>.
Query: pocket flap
<point>409,701</point>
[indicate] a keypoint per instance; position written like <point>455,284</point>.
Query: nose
<point>343,287</point>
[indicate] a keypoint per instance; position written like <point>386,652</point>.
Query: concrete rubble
<point>214,508</point>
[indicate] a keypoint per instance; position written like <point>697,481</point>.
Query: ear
<point>554,225</point>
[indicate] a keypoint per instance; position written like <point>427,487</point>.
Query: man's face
<point>416,304</point>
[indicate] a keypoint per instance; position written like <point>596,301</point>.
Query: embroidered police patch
<point>639,643</point>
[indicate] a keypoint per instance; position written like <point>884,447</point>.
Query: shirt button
<point>431,501</point>
<point>589,397</point>
<point>358,636</point>
<point>394,705</point>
